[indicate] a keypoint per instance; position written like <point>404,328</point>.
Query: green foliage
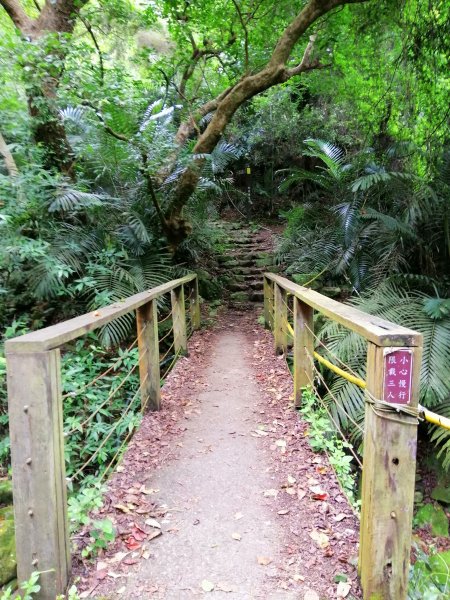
<point>29,588</point>
<point>101,534</point>
<point>430,576</point>
<point>433,515</point>
<point>80,504</point>
<point>405,308</point>
<point>323,438</point>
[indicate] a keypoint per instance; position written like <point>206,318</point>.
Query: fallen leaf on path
<point>270,493</point>
<point>225,587</point>
<point>132,544</point>
<point>291,491</point>
<point>100,575</point>
<point>122,508</point>
<point>147,491</point>
<point>320,497</point>
<point>321,539</point>
<point>207,586</point>
<point>116,575</point>
<point>264,560</point>
<point>284,511</point>
<point>154,534</point>
<point>101,566</point>
<point>340,517</point>
<point>291,479</point>
<point>236,536</point>
<point>281,443</point>
<point>153,523</point>
<point>311,595</point>
<point>343,589</point>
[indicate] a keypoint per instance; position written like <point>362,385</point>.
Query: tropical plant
<point>407,308</point>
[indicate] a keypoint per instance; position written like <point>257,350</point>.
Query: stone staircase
<point>247,256</point>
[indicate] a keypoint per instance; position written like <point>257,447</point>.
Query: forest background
<point>127,128</point>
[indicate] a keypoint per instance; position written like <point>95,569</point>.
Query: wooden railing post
<point>268,303</point>
<point>148,344</point>
<point>179,320</point>
<point>194,306</point>
<point>303,348</point>
<point>39,483</point>
<point>280,319</point>
<point>390,441</point>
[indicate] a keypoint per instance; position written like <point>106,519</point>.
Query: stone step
<point>257,297</point>
<point>240,297</point>
<point>251,270</point>
<point>246,286</point>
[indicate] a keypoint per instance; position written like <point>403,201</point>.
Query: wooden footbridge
<point>390,435</point>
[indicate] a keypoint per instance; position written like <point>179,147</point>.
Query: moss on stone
<point>8,566</point>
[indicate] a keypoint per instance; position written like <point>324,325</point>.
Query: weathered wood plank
<point>303,344</point>
<point>179,320</point>
<point>374,329</point>
<point>280,332</point>
<point>388,490</point>
<point>39,486</point>
<point>149,371</point>
<point>268,303</point>
<point>56,335</point>
<point>194,306</point>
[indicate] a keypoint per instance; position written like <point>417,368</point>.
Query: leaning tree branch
<point>17,13</point>
<point>106,127</point>
<point>151,191</point>
<point>274,73</point>
<point>97,47</point>
<point>245,30</point>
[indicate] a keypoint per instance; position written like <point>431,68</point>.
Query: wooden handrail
<point>57,335</point>
<point>36,422</point>
<point>390,434</point>
<point>373,329</point>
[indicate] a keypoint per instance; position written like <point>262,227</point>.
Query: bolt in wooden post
<point>387,488</point>
<point>303,344</point>
<point>39,483</point>
<point>195,306</point>
<point>179,320</point>
<point>268,303</point>
<point>148,344</point>
<point>280,319</point>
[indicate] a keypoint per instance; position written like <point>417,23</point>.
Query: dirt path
<point>232,524</point>
<point>218,484</point>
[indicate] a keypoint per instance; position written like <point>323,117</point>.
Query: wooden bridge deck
<point>235,506</point>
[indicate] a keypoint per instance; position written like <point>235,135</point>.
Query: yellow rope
<point>434,418</point>
<point>426,414</point>
<point>356,380</point>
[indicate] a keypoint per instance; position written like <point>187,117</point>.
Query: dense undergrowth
<point>351,160</point>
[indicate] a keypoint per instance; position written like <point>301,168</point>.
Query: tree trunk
<point>10,163</point>
<point>49,131</point>
<point>56,16</point>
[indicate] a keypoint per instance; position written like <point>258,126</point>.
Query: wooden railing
<point>390,435</point>
<point>36,422</point>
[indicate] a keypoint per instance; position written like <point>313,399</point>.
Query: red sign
<point>398,363</point>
